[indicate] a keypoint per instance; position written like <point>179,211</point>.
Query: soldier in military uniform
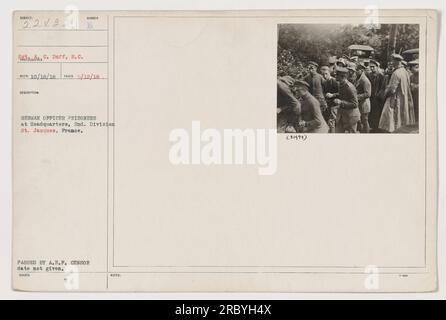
<point>315,81</point>
<point>330,87</point>
<point>347,102</point>
<point>414,85</point>
<point>398,110</point>
<point>378,82</point>
<point>364,90</point>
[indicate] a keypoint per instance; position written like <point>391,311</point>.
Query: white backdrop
<point>5,132</point>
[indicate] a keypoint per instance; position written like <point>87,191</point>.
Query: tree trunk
<point>392,40</point>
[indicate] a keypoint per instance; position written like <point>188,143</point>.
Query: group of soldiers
<point>348,96</point>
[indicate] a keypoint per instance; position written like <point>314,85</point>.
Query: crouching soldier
<point>288,108</point>
<point>312,120</point>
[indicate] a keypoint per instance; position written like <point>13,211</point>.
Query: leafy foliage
<point>300,43</point>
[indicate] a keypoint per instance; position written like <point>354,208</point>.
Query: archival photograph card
<point>225,151</point>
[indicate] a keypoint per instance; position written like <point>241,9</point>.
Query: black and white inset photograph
<point>348,78</point>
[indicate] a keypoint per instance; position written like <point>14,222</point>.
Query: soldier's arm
<point>393,85</point>
<point>351,101</point>
<point>367,91</point>
<point>316,122</point>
